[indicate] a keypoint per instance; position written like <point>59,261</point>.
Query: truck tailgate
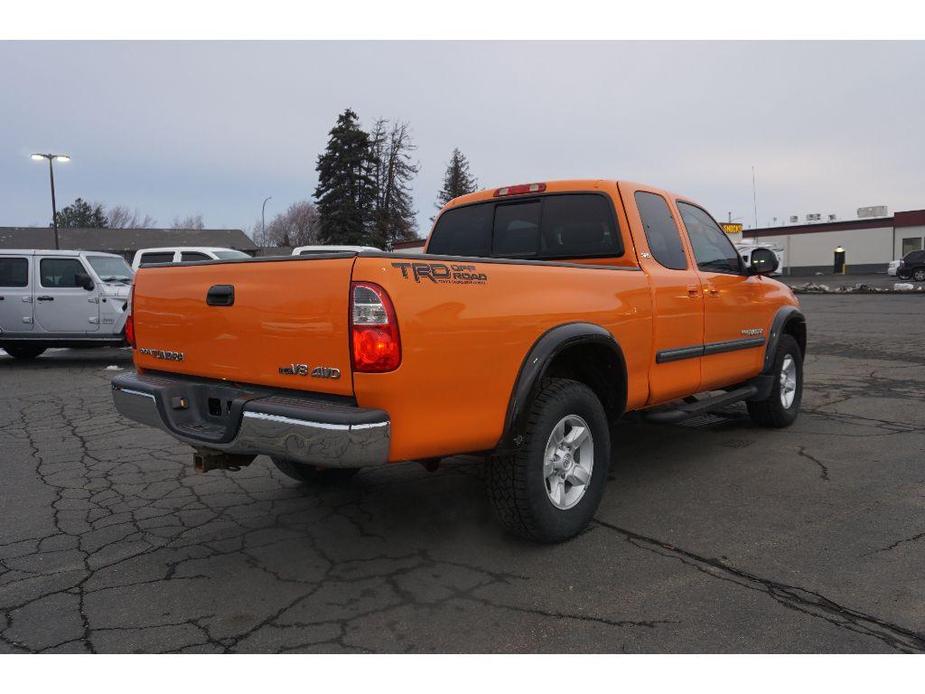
<point>285,314</point>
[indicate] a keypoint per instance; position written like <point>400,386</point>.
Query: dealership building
<point>870,243</point>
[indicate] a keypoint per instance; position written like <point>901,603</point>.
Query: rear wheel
<point>919,274</point>
<point>781,407</point>
<point>23,351</point>
<point>312,474</point>
<point>550,488</point>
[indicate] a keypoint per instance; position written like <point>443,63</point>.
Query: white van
<point>61,299</point>
<point>183,254</point>
<point>315,250</point>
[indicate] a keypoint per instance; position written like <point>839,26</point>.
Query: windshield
<point>231,254</point>
<point>110,269</point>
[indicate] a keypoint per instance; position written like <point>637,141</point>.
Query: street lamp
<point>51,176</point>
<point>263,219</point>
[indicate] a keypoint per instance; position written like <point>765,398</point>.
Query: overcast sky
<point>182,128</point>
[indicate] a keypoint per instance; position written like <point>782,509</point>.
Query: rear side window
<point>14,272</point>
<point>60,272</point>
<point>152,258</point>
<point>661,230</point>
<point>193,256</point>
<point>574,225</point>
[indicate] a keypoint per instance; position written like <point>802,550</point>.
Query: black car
<point>912,267</point>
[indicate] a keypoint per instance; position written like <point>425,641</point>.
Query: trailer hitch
<point>205,459</point>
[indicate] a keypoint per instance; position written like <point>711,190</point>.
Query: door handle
<point>693,291</point>
<point>45,298</point>
<point>220,295</point>
<point>713,291</point>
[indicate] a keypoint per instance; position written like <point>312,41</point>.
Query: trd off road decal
<point>440,273</point>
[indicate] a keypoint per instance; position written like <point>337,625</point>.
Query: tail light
<point>375,343</point>
<point>130,320</point>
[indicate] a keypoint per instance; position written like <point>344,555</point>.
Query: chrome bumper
<point>293,427</point>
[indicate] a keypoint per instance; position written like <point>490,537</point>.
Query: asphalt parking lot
<point>713,536</point>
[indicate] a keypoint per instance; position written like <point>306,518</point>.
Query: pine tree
<point>346,193</point>
<point>457,180</point>
<point>81,214</point>
<point>392,170</point>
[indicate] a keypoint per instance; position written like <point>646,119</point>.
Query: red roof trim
<point>912,218</point>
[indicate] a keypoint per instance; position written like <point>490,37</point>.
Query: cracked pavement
<point>713,535</point>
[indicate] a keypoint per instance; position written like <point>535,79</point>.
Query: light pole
<point>51,177</point>
<point>263,219</point>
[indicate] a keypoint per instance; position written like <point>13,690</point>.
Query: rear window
<point>193,257</point>
<point>229,254</point>
<point>576,225</point>
<point>14,272</point>
<point>152,258</point>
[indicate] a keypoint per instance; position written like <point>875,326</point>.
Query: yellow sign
<point>732,227</point>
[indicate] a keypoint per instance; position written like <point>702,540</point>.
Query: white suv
<point>183,254</point>
<point>61,299</point>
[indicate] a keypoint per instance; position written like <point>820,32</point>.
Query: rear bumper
<point>216,416</point>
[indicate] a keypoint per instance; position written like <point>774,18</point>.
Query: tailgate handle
<point>220,295</point>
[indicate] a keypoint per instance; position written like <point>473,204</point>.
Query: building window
<point>911,244</point>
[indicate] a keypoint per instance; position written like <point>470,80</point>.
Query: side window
<point>60,272</point>
<point>463,231</point>
<point>517,230</point>
<point>713,250</point>
<point>193,256</point>
<point>661,230</point>
<point>152,258</point>
<point>14,272</point>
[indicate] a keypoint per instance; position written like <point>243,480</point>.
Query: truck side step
<point>686,410</point>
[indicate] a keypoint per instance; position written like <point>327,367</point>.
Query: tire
<point>919,274</point>
<point>903,276</point>
<point>518,487</point>
<point>775,411</point>
<point>23,352</point>
<point>312,474</point>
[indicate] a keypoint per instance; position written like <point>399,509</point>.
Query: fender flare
<point>784,316</point>
<point>537,361</point>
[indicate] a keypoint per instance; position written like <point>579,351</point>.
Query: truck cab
<point>61,299</point>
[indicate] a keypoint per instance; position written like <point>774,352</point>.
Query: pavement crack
<point>794,597</point>
<point>823,470</point>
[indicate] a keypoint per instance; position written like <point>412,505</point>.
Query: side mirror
<point>763,261</point>
<point>84,280</point>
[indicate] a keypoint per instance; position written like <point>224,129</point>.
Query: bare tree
<point>300,225</point>
<point>192,221</point>
<point>392,171</point>
<point>120,217</point>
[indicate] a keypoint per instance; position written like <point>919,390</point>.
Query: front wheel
<point>23,352</point>
<point>312,474</point>
<point>550,488</point>
<point>781,407</point>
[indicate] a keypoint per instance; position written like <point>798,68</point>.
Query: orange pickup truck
<point>538,315</point>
